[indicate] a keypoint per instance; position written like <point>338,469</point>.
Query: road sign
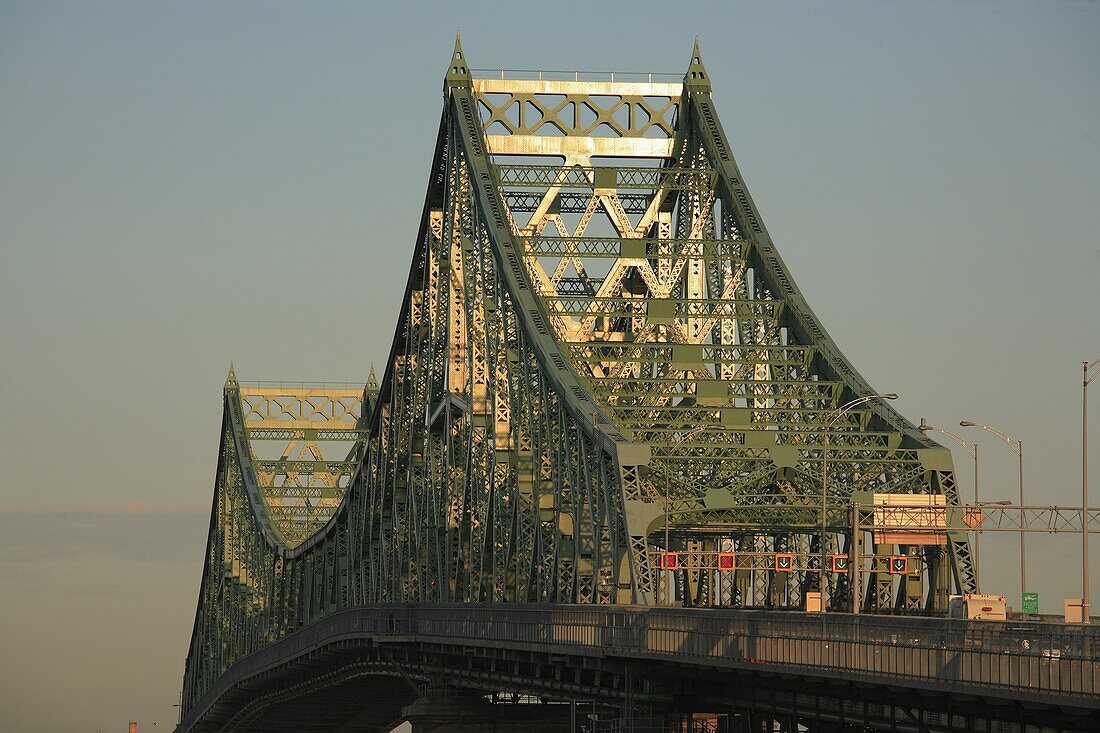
<point>784,562</point>
<point>838,563</point>
<point>727,561</point>
<point>973,517</point>
<point>1029,603</point>
<point>670,560</point>
<point>899,564</point>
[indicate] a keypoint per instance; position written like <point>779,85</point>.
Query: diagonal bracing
<point>600,358</point>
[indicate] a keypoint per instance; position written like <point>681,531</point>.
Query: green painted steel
<point>600,357</point>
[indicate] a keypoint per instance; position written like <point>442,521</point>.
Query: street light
<point>1086,380</point>
<point>1018,448</point>
<point>971,450</point>
<point>830,420</point>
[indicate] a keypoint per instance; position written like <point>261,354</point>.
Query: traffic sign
<point>670,560</point>
<point>727,561</point>
<point>838,563</point>
<point>899,564</point>
<point>973,518</point>
<point>784,562</point>
<point>1029,603</point>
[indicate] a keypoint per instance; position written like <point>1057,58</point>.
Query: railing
<point>1037,656</point>
<point>1037,661</point>
<point>553,75</point>
<point>284,384</point>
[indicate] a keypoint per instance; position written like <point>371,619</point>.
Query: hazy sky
<point>182,184</point>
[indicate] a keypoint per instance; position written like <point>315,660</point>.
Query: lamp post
<point>666,582</point>
<point>1086,380</point>
<point>1017,447</point>
<point>972,451</point>
<point>830,420</point>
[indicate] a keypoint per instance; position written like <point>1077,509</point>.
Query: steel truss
<point>598,348</point>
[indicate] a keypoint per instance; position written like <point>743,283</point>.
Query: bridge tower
<point>602,357</point>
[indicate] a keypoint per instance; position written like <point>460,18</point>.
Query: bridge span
<point>824,672</point>
<point>615,465</point>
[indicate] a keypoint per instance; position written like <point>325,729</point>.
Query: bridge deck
<point>1043,664</point>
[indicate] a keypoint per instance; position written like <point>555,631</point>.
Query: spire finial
<point>696,79</point>
<point>372,381</point>
<point>231,379</point>
<point>458,73</point>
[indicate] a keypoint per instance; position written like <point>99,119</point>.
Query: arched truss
<point>597,333</point>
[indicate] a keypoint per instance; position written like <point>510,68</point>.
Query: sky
<point>185,184</point>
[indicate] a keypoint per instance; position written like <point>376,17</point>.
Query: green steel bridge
<point>613,460</point>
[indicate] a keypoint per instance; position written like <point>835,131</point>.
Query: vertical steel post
<point>1085,607</point>
<point>824,509</point>
<point>854,559</point>
<point>669,587</point>
<point>1023,522</point>
<point>977,529</point>
<point>628,714</point>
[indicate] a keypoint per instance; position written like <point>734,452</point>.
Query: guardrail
<point>563,75</point>
<point>1039,661</point>
<point>1037,657</point>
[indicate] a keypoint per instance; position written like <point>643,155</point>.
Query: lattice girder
<point>294,434</point>
<point>599,357</point>
<point>685,327</point>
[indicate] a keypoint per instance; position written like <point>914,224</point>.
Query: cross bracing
<point>600,357</point>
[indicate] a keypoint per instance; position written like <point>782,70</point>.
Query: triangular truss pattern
<point>276,497</point>
<point>597,321</point>
<point>600,357</point>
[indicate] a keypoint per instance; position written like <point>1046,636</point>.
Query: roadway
<point>903,673</point>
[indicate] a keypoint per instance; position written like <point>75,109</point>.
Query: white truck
<point>977,607</point>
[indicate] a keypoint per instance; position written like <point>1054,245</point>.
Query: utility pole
<point>1086,367</point>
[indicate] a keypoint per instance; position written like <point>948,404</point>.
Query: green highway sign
<point>1029,603</point>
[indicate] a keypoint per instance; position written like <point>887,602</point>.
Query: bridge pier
<point>457,712</point>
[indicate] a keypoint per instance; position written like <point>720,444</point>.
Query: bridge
<point>615,476</point>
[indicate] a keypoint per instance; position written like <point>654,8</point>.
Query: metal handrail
<point>284,384</point>
<point>576,75</point>
<point>1036,660</point>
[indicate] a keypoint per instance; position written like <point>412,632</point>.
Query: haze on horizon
<point>182,184</point>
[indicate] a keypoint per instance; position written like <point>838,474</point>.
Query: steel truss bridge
<point>591,480</point>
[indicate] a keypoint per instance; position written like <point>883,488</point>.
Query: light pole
<point>830,420</point>
<point>1086,380</point>
<point>666,582</point>
<point>972,451</point>
<point>1017,447</point>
